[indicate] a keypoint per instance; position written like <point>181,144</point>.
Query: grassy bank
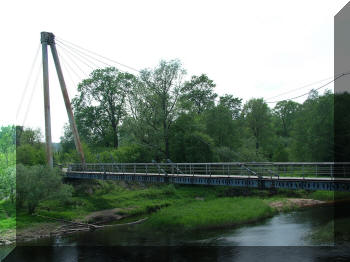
<point>168,207</point>
<point>212,213</point>
<point>7,216</point>
<point>132,199</point>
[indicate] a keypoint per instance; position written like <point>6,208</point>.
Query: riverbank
<point>169,207</point>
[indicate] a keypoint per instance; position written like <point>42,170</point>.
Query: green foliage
<point>198,94</point>
<point>7,215</point>
<point>124,154</point>
<point>210,214</point>
<point>38,183</point>
<point>232,103</point>
<point>100,107</point>
<point>157,115</point>
<point>188,143</point>
<point>341,127</point>
<point>8,183</point>
<point>280,153</point>
<point>313,132</point>
<point>7,163</point>
<point>31,154</point>
<point>285,111</point>
<point>7,146</point>
<point>154,104</point>
<point>27,136</point>
<point>29,148</point>
<point>257,117</point>
<point>221,127</point>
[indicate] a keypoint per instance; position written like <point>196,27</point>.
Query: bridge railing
<point>284,169</point>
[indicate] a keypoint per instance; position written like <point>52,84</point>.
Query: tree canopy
<point>159,115</point>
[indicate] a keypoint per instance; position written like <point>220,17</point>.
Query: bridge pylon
<point>49,39</point>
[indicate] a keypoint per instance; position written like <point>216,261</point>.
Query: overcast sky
<point>249,48</point>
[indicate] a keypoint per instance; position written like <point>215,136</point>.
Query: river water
<point>284,237</point>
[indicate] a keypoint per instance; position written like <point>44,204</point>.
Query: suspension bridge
<point>308,176</point>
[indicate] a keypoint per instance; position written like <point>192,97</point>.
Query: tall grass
<point>213,213</point>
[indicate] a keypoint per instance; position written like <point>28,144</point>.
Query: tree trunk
<point>115,134</point>
<point>115,140</point>
<point>166,140</point>
<point>167,153</point>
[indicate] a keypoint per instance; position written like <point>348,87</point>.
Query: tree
<point>232,103</point>
<point>189,142</point>
<point>221,127</point>
<point>341,127</point>
<point>100,107</point>
<point>27,136</point>
<point>8,183</point>
<point>257,117</point>
<point>29,148</point>
<point>198,94</point>
<point>39,183</point>
<point>31,155</point>
<point>7,163</point>
<point>313,132</point>
<point>286,112</point>
<point>154,105</point>
<point>7,143</point>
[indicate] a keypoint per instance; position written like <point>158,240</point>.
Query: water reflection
<point>270,240</point>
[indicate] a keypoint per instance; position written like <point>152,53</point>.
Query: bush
<point>30,155</point>
<point>8,183</point>
<point>39,183</point>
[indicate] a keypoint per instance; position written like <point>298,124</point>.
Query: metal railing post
<point>302,170</point>
<point>332,175</point>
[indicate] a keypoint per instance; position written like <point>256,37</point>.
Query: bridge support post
<point>49,39</point>
<point>46,40</point>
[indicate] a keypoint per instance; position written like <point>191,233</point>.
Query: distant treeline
<point>158,116</point>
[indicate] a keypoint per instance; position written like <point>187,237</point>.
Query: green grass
<point>212,213</point>
<point>197,205</point>
<point>135,201</point>
<point>8,223</point>
<point>7,215</point>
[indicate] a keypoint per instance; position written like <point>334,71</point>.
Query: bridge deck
<point>309,183</point>
<point>326,179</point>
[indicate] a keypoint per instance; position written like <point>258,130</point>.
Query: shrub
<point>30,154</point>
<point>39,183</point>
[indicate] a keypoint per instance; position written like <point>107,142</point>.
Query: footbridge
<point>298,175</point>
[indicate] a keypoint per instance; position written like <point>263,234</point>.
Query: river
<point>286,236</point>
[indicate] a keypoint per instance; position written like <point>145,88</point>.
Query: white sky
<point>249,48</point>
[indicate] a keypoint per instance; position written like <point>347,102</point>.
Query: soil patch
<point>296,202</point>
<point>106,216</point>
